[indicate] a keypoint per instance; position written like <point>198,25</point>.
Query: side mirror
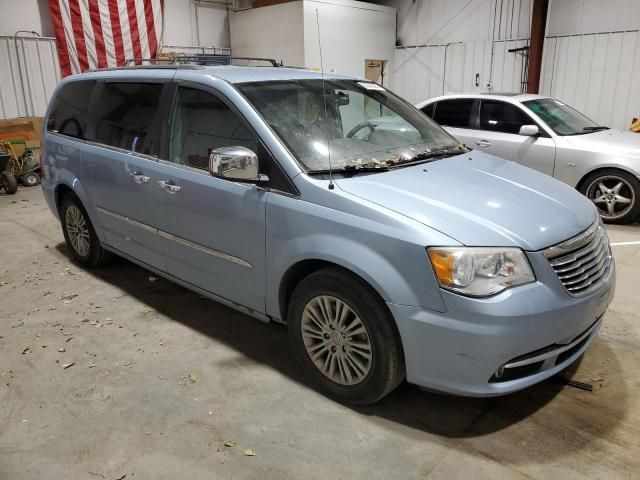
<point>529,130</point>
<point>238,164</point>
<point>342,99</point>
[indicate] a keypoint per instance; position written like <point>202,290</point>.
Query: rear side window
<point>126,116</point>
<point>454,113</point>
<point>502,117</point>
<point>68,114</point>
<point>428,110</point>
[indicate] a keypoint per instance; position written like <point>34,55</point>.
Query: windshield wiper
<point>595,129</point>
<point>351,170</point>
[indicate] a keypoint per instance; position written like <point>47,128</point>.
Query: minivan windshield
<point>561,118</point>
<point>348,124</point>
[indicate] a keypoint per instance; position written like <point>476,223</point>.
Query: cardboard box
<point>22,128</point>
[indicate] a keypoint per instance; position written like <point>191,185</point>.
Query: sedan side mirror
<point>529,130</point>
<point>238,164</point>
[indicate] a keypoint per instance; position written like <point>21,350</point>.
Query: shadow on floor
<point>444,415</point>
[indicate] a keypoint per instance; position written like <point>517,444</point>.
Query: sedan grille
<point>582,262</point>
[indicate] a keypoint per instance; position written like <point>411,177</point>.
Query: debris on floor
<point>190,378</point>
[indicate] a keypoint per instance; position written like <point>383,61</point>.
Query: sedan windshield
<point>347,125</point>
<point>561,118</point>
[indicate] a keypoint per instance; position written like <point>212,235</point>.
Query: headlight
<point>480,271</point>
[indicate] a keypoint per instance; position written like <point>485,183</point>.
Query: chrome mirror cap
<point>235,163</point>
<point>529,130</point>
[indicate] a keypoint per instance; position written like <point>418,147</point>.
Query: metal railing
<point>29,72</point>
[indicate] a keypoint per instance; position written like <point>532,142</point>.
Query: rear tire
<point>10,183</point>
<point>615,193</point>
<point>79,234</point>
<point>338,320</point>
<point>31,179</point>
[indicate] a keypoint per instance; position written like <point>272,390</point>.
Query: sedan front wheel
<point>615,193</point>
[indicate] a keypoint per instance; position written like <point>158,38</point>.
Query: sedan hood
<point>612,142</point>
<point>480,200</point>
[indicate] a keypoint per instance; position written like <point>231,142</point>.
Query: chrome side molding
<point>180,240</point>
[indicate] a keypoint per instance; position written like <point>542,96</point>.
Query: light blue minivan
<point>331,205</point>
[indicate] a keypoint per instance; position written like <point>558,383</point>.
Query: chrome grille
<point>582,262</point>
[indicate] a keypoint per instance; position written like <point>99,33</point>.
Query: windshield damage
<point>348,126</point>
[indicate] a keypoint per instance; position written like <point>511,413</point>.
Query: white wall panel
<point>272,32</point>
<point>212,24</point>
<point>419,76</point>
<point>351,32</point>
<point>595,74</point>
<point>591,16</point>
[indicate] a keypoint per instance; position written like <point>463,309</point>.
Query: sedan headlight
<point>480,271</point>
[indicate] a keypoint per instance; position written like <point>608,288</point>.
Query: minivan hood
<point>480,200</point>
<point>612,142</point>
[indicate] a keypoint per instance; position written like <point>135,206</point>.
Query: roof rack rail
<point>148,61</point>
<point>199,59</point>
<point>212,59</point>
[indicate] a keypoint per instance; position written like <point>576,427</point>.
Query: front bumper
<point>534,330</point>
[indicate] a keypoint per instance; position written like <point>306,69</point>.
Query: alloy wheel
<point>77,230</point>
<point>613,196</point>
<point>336,340</point>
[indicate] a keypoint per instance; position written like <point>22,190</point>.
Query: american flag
<point>105,33</point>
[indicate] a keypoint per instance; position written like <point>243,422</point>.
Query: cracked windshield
<point>364,126</point>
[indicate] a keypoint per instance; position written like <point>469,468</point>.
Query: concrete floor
<point>162,378</point>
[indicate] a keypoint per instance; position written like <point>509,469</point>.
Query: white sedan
<point>547,135</point>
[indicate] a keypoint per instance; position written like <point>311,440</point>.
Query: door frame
<point>265,157</point>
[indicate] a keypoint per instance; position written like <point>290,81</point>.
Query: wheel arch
<point>303,268</point>
<point>601,168</point>
<point>61,191</point>
<point>74,186</point>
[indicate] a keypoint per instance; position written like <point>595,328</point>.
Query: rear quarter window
<point>428,110</point>
<point>69,112</point>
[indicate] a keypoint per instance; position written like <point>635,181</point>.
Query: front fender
<point>394,265</point>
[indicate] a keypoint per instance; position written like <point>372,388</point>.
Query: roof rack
<point>207,59</point>
<point>200,59</point>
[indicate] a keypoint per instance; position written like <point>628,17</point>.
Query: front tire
<point>79,234</point>
<point>343,336</point>
<point>615,193</point>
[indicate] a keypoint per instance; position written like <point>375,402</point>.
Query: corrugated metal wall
<point>421,73</point>
<point>595,73</point>
<point>29,72</point>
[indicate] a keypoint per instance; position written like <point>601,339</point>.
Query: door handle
<point>169,187</point>
<point>483,143</point>
<point>139,177</point>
